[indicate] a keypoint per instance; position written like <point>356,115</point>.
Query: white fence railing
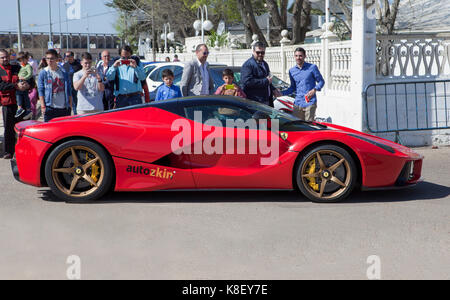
<point>281,59</point>
<point>413,56</point>
<point>398,57</point>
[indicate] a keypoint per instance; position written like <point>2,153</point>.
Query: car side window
<point>178,73</point>
<point>217,112</point>
<point>154,76</point>
<point>148,70</point>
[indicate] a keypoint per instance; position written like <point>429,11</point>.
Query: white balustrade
<point>402,56</point>
<point>413,56</point>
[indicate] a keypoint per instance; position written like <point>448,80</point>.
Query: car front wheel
<point>79,171</point>
<point>326,173</point>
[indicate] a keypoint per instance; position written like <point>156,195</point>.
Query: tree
<point>301,20</point>
<point>245,22</point>
<point>155,13</point>
<point>386,14</point>
<point>275,13</point>
<point>346,8</point>
<point>252,20</point>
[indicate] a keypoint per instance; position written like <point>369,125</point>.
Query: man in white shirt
<point>197,79</point>
<point>33,64</point>
<point>90,87</point>
<point>102,68</point>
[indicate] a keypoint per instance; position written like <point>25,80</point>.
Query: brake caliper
<point>95,169</point>
<point>312,180</point>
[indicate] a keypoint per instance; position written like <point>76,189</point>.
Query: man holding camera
<point>89,86</point>
<point>127,75</point>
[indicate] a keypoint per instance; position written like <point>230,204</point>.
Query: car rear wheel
<point>79,171</point>
<point>326,173</point>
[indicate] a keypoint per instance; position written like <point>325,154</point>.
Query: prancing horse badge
<point>284,136</point>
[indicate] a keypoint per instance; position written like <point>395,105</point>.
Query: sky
<point>35,17</point>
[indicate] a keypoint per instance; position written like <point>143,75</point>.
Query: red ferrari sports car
<point>205,143</point>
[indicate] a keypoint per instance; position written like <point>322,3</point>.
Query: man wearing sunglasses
<point>257,79</point>
<point>197,79</point>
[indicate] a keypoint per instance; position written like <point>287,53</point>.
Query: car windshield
<point>287,122</point>
<point>148,69</point>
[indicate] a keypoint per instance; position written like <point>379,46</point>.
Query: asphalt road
<point>229,235</point>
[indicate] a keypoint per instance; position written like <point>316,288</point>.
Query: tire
<point>326,174</point>
<point>85,179</point>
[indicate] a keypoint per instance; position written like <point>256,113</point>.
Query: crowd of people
<point>68,86</point>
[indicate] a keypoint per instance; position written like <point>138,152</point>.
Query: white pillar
<point>327,37</point>
<point>284,42</point>
<point>363,56</point>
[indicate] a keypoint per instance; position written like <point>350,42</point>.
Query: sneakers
<point>28,115</point>
<point>7,156</point>
<point>23,114</point>
<point>19,113</point>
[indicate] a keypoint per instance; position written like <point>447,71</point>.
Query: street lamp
<point>165,35</point>
<point>203,24</point>
<point>19,23</point>
<point>50,39</point>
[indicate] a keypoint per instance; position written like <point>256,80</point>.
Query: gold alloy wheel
<point>326,174</point>
<point>78,171</point>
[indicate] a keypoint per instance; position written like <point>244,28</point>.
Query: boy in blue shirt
<point>168,90</point>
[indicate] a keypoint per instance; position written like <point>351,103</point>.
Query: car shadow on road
<point>423,191</point>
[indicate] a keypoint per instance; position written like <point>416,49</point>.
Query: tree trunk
<point>392,17</point>
<point>245,22</point>
<point>347,12</point>
<point>297,22</point>
<point>252,21</point>
<point>283,9</point>
<point>274,13</point>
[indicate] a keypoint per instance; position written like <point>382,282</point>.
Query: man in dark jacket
<point>71,67</point>
<point>9,84</point>
<point>256,77</point>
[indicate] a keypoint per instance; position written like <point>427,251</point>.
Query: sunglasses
<point>260,52</point>
<point>205,53</point>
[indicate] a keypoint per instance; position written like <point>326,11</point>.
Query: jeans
<point>122,101</point>
<point>108,99</point>
<point>51,113</point>
<point>9,121</point>
<point>23,100</point>
<point>74,101</point>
